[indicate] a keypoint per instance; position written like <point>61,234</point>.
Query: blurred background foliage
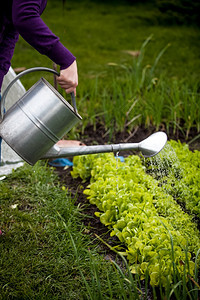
<point>169,11</point>
<point>179,12</point>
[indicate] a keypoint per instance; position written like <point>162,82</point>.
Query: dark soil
<point>93,226</point>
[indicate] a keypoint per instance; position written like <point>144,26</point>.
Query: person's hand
<point>68,79</point>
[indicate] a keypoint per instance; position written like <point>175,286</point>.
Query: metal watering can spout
<point>149,147</point>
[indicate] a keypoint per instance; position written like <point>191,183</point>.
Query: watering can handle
<point>24,73</point>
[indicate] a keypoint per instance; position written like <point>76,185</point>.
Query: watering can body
<point>38,120</point>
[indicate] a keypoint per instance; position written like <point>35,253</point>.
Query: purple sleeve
<point>27,21</point>
<point>7,47</point>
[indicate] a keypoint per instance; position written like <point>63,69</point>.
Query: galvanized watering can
<point>38,120</point>
<point>41,117</point>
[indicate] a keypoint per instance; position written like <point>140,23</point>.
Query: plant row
<point>160,239</point>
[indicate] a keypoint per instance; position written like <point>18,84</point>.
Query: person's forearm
<point>27,21</point>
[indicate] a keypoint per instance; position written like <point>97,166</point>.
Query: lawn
<point>98,33</point>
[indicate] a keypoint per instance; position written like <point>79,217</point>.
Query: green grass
<point>37,261</point>
<point>100,33</point>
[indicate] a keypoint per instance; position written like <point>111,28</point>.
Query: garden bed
<point>76,186</point>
